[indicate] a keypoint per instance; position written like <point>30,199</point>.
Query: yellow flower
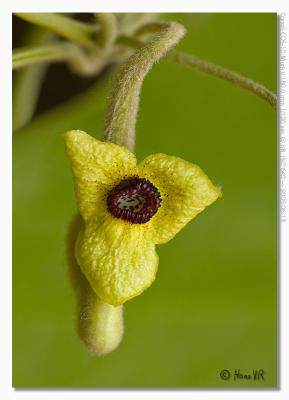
<point>127,209</point>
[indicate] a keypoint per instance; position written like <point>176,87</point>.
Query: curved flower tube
<point>127,209</point>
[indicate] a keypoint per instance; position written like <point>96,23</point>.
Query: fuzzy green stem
<point>75,31</point>
<point>190,61</point>
<point>124,100</point>
<point>100,324</point>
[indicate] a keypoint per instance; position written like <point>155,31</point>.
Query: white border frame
<point>6,390</point>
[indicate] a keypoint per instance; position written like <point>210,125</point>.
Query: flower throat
<point>134,200</point>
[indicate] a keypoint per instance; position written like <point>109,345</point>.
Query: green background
<point>213,304</point>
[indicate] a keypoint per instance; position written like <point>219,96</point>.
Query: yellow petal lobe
<point>185,189</point>
<point>97,167</point>
<point>117,258</point>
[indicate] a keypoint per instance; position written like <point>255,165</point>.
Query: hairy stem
<point>124,100</point>
<point>206,67</point>
<point>189,61</point>
<point>76,31</point>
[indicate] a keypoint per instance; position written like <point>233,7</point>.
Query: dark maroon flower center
<point>135,200</point>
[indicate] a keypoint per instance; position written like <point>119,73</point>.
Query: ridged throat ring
<point>134,200</point>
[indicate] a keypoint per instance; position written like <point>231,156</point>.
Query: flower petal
<point>117,258</point>
<point>97,167</point>
<point>185,190</point>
